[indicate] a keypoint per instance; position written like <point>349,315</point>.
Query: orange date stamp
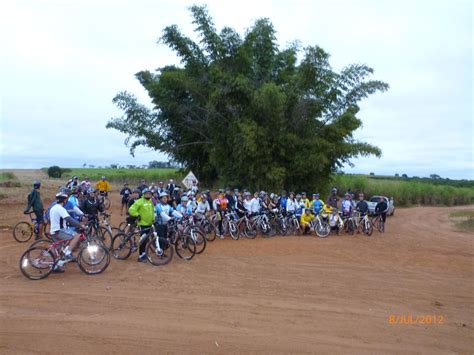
<point>412,319</point>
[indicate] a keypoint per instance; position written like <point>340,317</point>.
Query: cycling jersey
<point>346,207</point>
<point>306,219</point>
<point>163,213</point>
<point>317,206</point>
<point>145,209</point>
<point>362,207</point>
<point>103,185</point>
<point>290,205</point>
<point>221,203</point>
<point>299,207</point>
<point>203,207</point>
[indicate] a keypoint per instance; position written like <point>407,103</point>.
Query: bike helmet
<point>184,199</point>
<point>65,190</point>
<point>90,190</point>
<point>145,190</point>
<point>334,190</point>
<point>163,194</point>
<point>36,184</point>
<point>74,177</point>
<point>61,196</point>
<point>136,191</point>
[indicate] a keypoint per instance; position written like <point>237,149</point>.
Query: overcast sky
<point>62,62</point>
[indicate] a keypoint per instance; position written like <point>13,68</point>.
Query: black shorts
<point>124,200</point>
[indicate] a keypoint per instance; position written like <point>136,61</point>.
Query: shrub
<point>54,172</point>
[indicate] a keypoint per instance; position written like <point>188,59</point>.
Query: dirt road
<point>278,295</point>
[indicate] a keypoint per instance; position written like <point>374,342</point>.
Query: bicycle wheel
<point>22,232</point>
<point>37,263</point>
<point>367,227</point>
<point>199,239</point>
<point>281,228</point>
<point>106,203</point>
<point>233,230</point>
<point>93,259</point>
<point>250,230</point>
<point>185,247</point>
<point>322,229</point>
<point>381,225</point>
<point>122,226</point>
<point>350,227</point>
<point>121,246</point>
<point>106,237</point>
<point>159,256</point>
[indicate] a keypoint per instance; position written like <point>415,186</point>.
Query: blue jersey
<point>317,206</point>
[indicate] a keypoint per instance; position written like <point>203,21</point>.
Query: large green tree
<point>243,111</point>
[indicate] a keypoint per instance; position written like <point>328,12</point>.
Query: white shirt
<point>254,205</point>
<point>55,214</point>
<point>203,207</point>
<point>290,205</point>
<point>247,205</point>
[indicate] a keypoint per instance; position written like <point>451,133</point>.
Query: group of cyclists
<point>157,204</point>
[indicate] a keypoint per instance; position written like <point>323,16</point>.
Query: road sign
<point>188,180</point>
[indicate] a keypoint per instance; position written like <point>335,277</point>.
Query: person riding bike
<point>144,209</point>
<point>58,229</point>
<point>305,220</point>
<point>381,209</point>
<point>362,205</point>
<point>203,207</point>
<point>299,206</point>
<point>317,205</point>
<point>103,186</point>
<point>346,206</point>
<point>34,202</point>
<point>185,208</point>
<point>221,207</point>
<point>73,184</point>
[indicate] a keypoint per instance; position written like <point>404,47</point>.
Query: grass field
<point>407,193</point>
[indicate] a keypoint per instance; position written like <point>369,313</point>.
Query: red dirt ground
<point>277,295</point>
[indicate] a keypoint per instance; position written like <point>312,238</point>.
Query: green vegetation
<point>463,219</point>
<point>7,176</point>
<point>241,109</point>
<point>125,175</point>
<point>465,213</point>
<point>406,193</point>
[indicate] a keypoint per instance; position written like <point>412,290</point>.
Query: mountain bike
<point>293,223</point>
<point>246,227</point>
<point>364,224</point>
<point>38,261</point>
<point>101,232</point>
<point>105,199</point>
<point>349,224</point>
<point>262,222</point>
<point>23,231</point>
<point>378,222</point>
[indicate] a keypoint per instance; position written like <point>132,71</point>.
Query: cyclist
<point>73,184</point>
<point>34,202</point>
<point>85,184</point>
<point>291,203</point>
<point>184,207</point>
<point>194,187</point>
<point>142,186</point>
<point>305,200</point>
<point>333,199</point>
<point>381,209</point>
<point>335,221</point>
<point>346,206</point>
<point>92,205</point>
<point>58,230</point>
<point>203,207</point>
<point>362,205</point>
<point>170,187</point>
<point>103,186</point>
<point>305,220</point>
<point>317,205</point>
<point>125,193</point>
<point>282,201</point>
<point>299,206</point>
<point>220,205</point>
<point>144,209</point>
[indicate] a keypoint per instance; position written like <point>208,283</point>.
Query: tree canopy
<point>242,111</point>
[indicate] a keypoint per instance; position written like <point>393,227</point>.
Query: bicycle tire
<point>121,246</point>
<point>185,247</point>
<point>22,232</point>
<point>322,229</point>
<point>45,243</point>
<point>251,230</point>
<point>233,230</point>
<point>44,263</point>
<point>106,237</point>
<point>156,258</point>
<point>368,228</point>
<point>199,239</point>
<point>122,226</point>
<point>93,259</point>
<point>107,203</point>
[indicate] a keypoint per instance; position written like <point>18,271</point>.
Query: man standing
<point>103,186</point>
<point>170,187</point>
<point>125,193</point>
<point>34,201</point>
<point>333,199</point>
<point>144,208</point>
